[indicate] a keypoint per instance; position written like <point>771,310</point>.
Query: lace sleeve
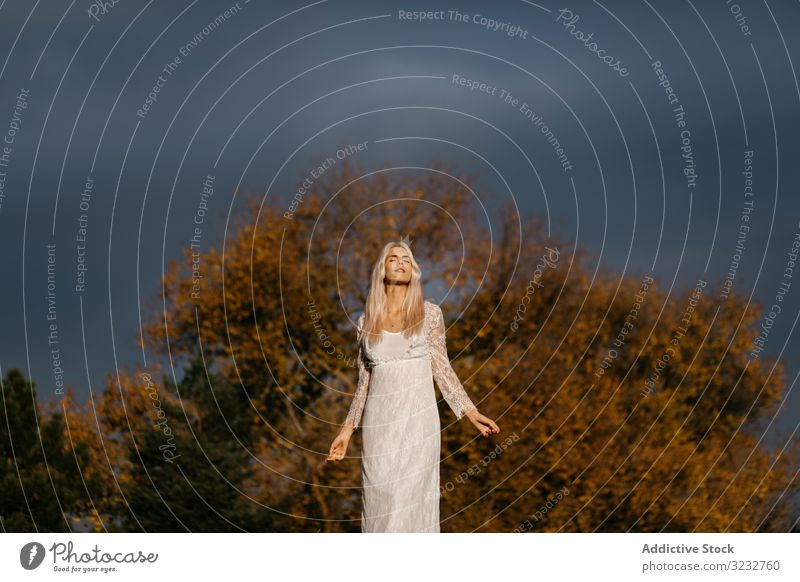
<point>360,396</point>
<point>443,372</point>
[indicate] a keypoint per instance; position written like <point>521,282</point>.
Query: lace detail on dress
<point>443,372</point>
<point>360,396</point>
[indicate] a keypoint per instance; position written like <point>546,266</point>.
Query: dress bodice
<point>395,347</point>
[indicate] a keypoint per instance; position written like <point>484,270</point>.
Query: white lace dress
<point>400,425</point>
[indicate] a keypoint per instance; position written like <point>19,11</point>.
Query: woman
<point>401,339</point>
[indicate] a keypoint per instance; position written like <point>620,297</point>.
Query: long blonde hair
<point>413,308</point>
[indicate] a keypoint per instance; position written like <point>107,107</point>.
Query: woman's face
<point>398,265</point>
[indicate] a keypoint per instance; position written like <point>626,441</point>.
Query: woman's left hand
<point>483,423</point>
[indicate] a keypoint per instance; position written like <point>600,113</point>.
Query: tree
<point>41,488</point>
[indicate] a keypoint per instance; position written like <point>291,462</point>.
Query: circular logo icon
<point>31,555</point>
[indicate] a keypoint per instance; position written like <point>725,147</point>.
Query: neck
<point>395,294</point>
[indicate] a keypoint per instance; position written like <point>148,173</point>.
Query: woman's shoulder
<point>432,313</point>
<point>431,307</point>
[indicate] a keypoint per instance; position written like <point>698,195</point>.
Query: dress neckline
<point>392,332</point>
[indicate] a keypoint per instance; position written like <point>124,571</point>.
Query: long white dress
<point>400,425</point>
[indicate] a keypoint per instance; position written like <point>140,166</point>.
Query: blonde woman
<point>401,350</point>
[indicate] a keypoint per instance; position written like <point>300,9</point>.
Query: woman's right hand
<point>339,445</point>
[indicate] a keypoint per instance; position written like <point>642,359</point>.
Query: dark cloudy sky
<point>266,90</point>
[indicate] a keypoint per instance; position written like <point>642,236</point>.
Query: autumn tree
<point>276,313</point>
<point>41,487</point>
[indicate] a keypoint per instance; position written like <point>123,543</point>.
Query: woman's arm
<point>360,396</point>
<point>443,372</point>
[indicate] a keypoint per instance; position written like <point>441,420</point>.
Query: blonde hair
<point>413,308</point>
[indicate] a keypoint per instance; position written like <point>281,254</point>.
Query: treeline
<point>607,433</point>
